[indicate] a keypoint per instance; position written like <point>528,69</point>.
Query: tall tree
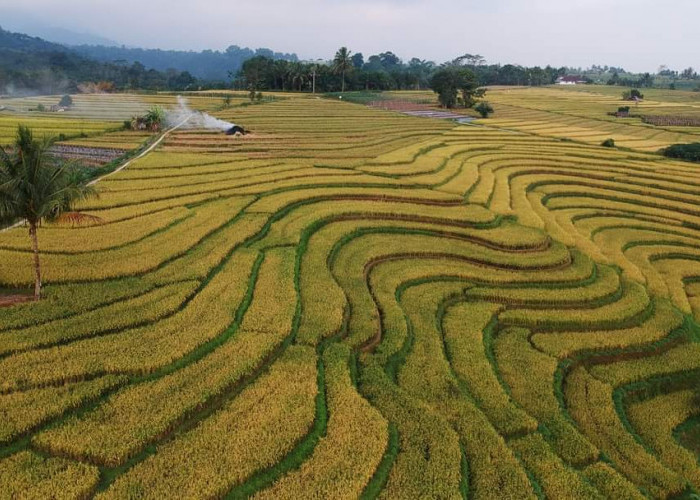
<point>469,87</point>
<point>342,63</point>
<point>647,80</point>
<point>299,74</point>
<point>254,72</point>
<point>689,73</point>
<point>450,81</point>
<point>419,72</point>
<point>358,60</point>
<point>445,83</point>
<point>468,60</point>
<point>389,60</point>
<point>35,187</point>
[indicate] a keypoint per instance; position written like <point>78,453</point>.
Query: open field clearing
<point>354,303</point>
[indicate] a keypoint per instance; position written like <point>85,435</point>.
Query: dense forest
<point>29,64</point>
<point>385,71</point>
<point>209,65</point>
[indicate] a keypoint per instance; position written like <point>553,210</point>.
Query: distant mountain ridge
<point>17,21</point>
<point>71,38</point>
<point>26,43</point>
<point>212,65</point>
<point>32,64</point>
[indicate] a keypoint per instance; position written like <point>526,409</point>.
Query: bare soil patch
<point>11,300</point>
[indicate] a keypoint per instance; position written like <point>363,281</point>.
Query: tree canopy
<point>456,85</point>
<point>34,65</point>
<point>688,152</point>
<point>342,64</point>
<point>484,109</point>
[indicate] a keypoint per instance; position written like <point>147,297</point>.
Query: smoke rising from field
<point>44,84</point>
<point>197,119</point>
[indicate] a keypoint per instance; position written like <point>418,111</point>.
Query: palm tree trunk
<point>37,265</point>
<point>343,81</point>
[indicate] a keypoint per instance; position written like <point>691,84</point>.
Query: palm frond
<point>34,185</point>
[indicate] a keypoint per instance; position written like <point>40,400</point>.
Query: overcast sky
<point>639,35</point>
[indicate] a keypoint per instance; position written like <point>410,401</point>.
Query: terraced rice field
<point>355,303</point>
<point>581,114</point>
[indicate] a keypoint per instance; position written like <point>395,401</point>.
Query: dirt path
<point>418,109</point>
<point>144,152</point>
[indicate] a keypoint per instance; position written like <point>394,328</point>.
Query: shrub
<point>630,95</point>
<point>688,152</point>
<point>484,109</point>
<point>608,143</point>
<point>66,101</point>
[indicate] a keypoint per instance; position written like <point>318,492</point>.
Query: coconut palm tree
<point>299,75</point>
<point>342,63</point>
<point>36,187</point>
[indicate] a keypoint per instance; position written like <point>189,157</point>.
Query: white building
<point>570,80</point>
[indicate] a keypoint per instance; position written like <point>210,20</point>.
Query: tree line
<point>384,71</point>
<point>211,66</point>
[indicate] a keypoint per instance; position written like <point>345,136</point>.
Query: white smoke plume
<point>197,119</point>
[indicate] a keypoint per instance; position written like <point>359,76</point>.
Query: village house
<point>570,80</point>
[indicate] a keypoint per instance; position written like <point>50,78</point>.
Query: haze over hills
<point>34,26</point>
<point>30,65</point>
<point>212,65</point>
<point>207,65</point>
<point>33,64</point>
